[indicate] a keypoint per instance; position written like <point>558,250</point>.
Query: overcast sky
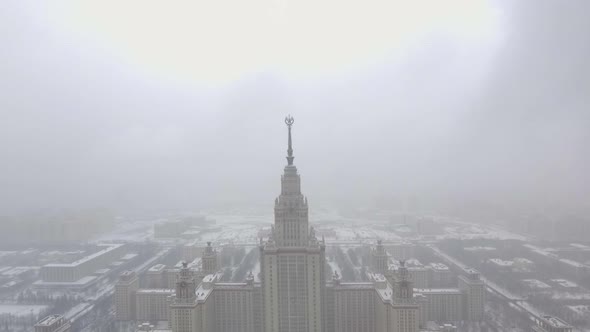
<point>133,104</point>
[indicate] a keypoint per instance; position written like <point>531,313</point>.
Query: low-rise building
<point>83,267</point>
<point>548,323</point>
<point>53,323</point>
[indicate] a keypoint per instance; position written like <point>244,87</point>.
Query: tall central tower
<point>292,260</point>
<point>291,219</point>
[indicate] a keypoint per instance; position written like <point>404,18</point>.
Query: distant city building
<point>570,267</point>
<point>84,267</point>
<point>402,251</point>
<point>170,229</point>
<point>53,323</point>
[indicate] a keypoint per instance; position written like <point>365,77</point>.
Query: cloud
<point>133,106</point>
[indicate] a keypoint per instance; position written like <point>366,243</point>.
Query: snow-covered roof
<point>427,291</point>
<point>165,291</point>
<point>109,247</point>
<point>501,262</point>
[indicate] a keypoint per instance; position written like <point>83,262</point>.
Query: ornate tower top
<point>404,285</point>
<point>404,274</point>
<point>289,122</point>
<point>185,285</point>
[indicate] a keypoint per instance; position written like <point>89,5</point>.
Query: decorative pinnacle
<point>289,122</point>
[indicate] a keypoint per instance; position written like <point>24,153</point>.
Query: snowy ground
<point>335,267</point>
<point>565,283</point>
<point>21,310</point>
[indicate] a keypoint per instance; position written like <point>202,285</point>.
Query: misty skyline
<point>438,113</point>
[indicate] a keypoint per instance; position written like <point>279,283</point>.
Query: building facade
<point>474,292</point>
<point>441,304</point>
<point>235,306</point>
<point>153,304</point>
<point>125,290</point>
<point>155,277</point>
<point>354,307</point>
<point>440,275</point>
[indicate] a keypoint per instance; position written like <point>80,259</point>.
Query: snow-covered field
<point>534,283</point>
<point>467,231</point>
<point>570,296</point>
<point>247,228</point>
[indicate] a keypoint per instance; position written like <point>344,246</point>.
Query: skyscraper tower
<point>379,258</point>
<point>404,288</point>
<point>209,259</point>
<point>292,260</point>
<point>184,307</point>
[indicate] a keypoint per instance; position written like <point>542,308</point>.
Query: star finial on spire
<point>289,122</point>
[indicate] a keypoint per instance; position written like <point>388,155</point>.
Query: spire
<point>289,122</point>
<point>403,271</point>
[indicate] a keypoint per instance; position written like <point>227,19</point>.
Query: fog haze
<point>454,120</point>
